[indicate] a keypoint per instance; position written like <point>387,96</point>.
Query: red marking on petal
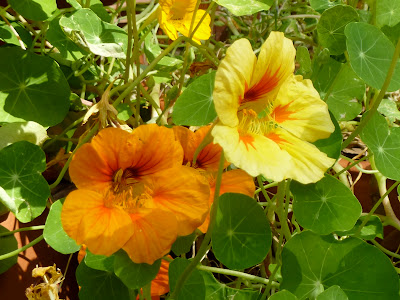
<point>247,140</point>
<point>267,83</point>
<point>282,113</point>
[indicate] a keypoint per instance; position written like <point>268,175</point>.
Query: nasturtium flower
<point>269,117</point>
<point>233,181</point>
<point>176,16</point>
<point>133,194</point>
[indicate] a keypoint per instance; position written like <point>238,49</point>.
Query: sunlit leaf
<point>370,53</point>
<point>325,206</point>
<point>54,233</point>
<point>283,295</point>
<point>371,230</point>
<point>245,7</point>
<point>387,12</point>
<point>26,131</point>
<point>321,5</point>
<point>37,10</point>
<point>32,88</point>
<point>331,26</point>
<point>333,293</point>
<point>389,108</point>
<point>22,187</point>
<point>312,263</point>
<point>99,262</point>
<point>9,37</point>
<point>133,275</point>
<point>8,243</point>
<point>241,237</point>
<point>194,106</point>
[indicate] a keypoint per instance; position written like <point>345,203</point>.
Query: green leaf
<point>32,88</point>
<point>99,262</point>
<point>333,293</point>
<point>331,145</point>
<point>389,108</point>
<point>133,275</point>
<point>124,111</point>
<point>99,285</point>
<point>22,187</point>
<point>68,49</point>
<point>384,142</point>
<point>370,53</point>
<point>387,12</point>
<point>393,33</point>
<point>54,233</point>
<point>283,295</point>
<point>218,291</point>
<point>331,26</point>
<point>311,263</point>
<point>303,58</point>
<point>8,244</point>
<point>324,72</point>
<point>321,5</point>
<point>245,7</point>
<point>194,287</point>
<point>9,37</point>
<point>241,237</point>
<point>99,10</point>
<point>371,230</point>
<point>183,244</point>
<point>88,31</point>
<point>26,131</point>
<point>195,106</point>
<point>325,206</point>
<point>37,10</point>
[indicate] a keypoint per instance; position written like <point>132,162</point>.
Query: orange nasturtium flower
<point>176,16</point>
<point>268,117</point>
<point>233,181</point>
<point>133,193</point>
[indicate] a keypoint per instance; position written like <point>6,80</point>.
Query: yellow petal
<point>299,109</point>
<point>253,153</point>
<point>185,193</point>
<point>232,78</point>
<point>85,219</point>
<point>167,26</point>
<point>204,30</point>
<point>154,233</point>
<point>274,64</point>
<point>308,163</point>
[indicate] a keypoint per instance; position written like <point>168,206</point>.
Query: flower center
<point>253,123</point>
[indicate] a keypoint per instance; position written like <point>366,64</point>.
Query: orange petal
<point>186,138</point>
<point>184,192</point>
<point>85,219</point>
<point>155,231</point>
<point>160,284</point>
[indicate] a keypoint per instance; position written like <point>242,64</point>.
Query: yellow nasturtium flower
<point>176,16</point>
<point>268,117</point>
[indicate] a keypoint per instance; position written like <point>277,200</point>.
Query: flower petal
<point>274,64</point>
<point>154,231</point>
<point>299,109</point>
<point>231,80</point>
<point>204,30</point>
<point>185,193</point>
<point>309,163</point>
<point>253,153</point>
<point>167,26</point>
<point>160,284</point>
<point>85,219</point>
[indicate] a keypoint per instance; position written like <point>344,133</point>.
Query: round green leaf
<point>325,206</point>
<point>87,30</point>
<point>194,287</point>
<point>32,88</point>
<point>183,244</point>
<point>384,142</point>
<point>134,276</point>
<point>303,58</point>
<point>321,5</point>
<point>241,237</point>
<point>195,106</point>
<point>99,285</point>
<point>22,131</point>
<point>370,53</point>
<point>22,187</point>
<point>331,145</point>
<point>99,262</point>
<point>388,108</point>
<point>283,295</point>
<point>8,243</point>
<point>387,12</point>
<point>371,230</point>
<point>245,7</point>
<point>312,263</point>
<point>54,233</point>
<point>331,26</point>
<point>8,36</point>
<point>37,10</point>
<point>333,293</point>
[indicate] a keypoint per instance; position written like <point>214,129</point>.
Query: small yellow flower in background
<point>176,16</point>
<point>133,193</point>
<point>232,181</point>
<point>267,115</point>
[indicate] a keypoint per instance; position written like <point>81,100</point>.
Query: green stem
<point>378,100</point>
<point>281,211</point>
<point>238,274</point>
<point>383,249</point>
<point>351,165</point>
<point>205,245</point>
<point>15,252</point>
<point>72,125</point>
<point>39,227</point>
